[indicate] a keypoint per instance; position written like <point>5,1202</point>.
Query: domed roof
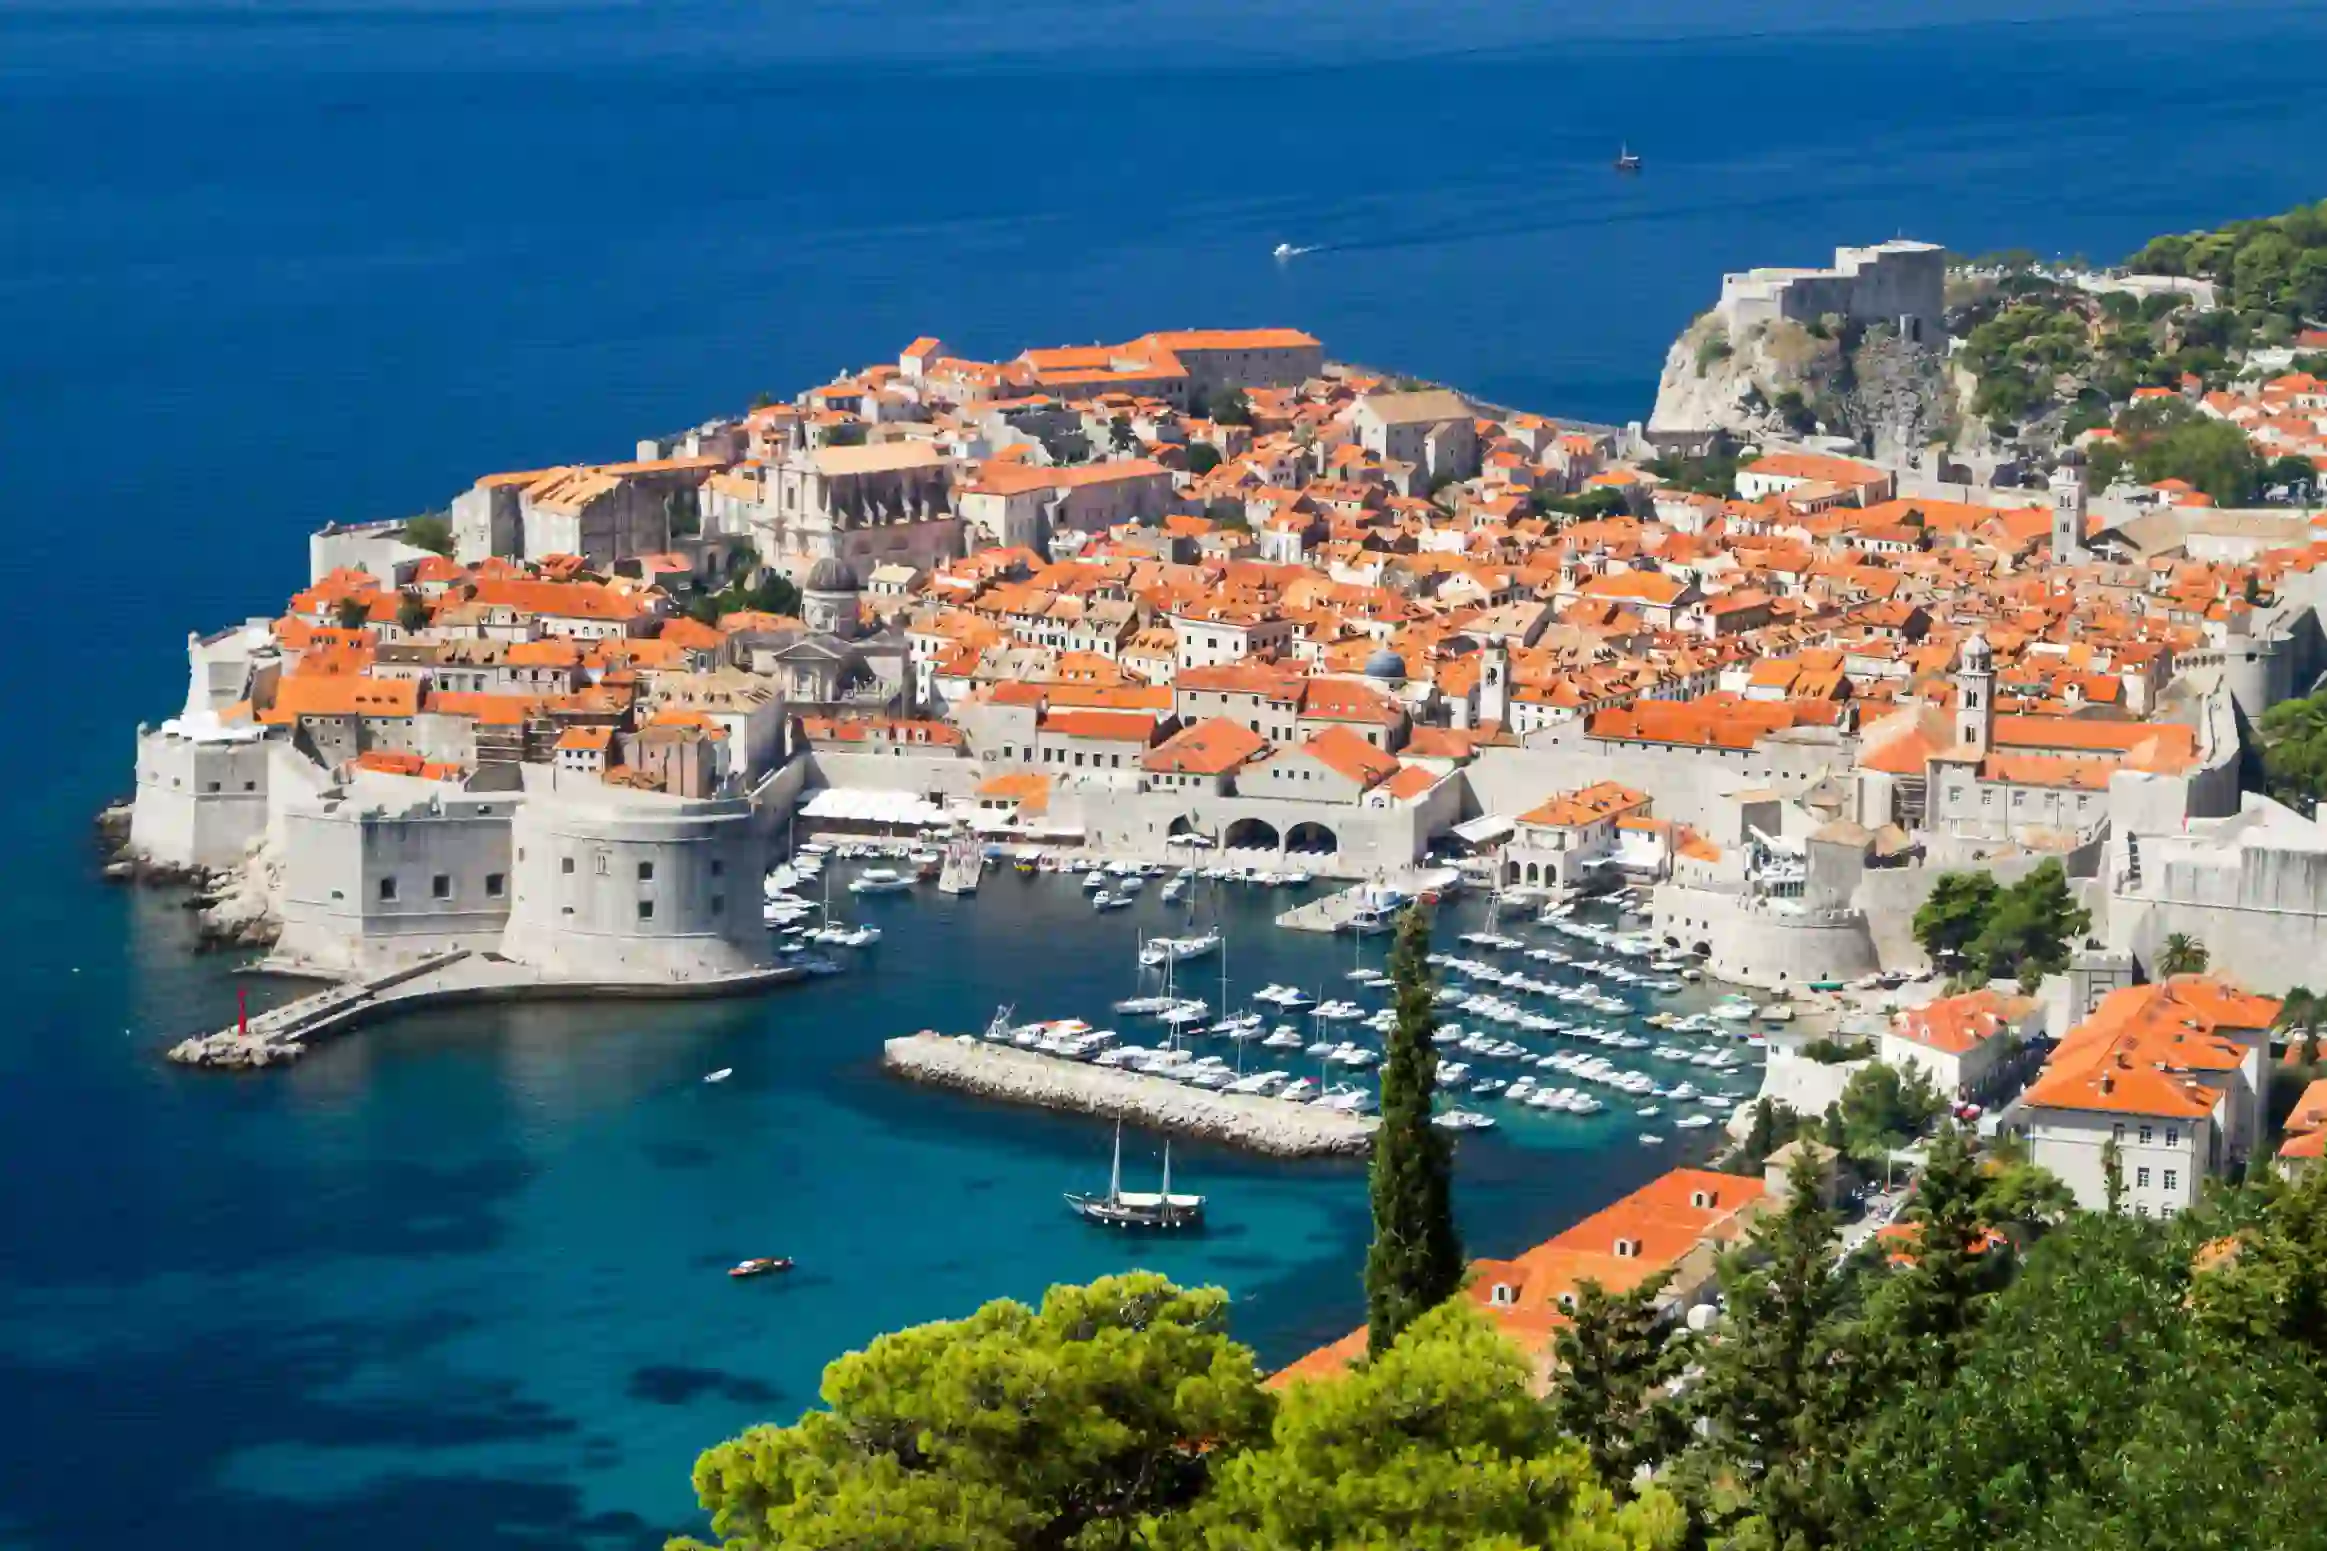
<point>1385,664</point>
<point>830,575</point>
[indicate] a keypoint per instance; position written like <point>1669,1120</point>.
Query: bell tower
<point>1975,697</point>
<point>2068,514</point>
<point>1495,683</point>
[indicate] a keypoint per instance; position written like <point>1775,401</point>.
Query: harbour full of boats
<point>1300,1047</point>
<point>1561,1022</point>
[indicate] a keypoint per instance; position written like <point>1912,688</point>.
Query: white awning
<point>1486,829</point>
<point>851,806</point>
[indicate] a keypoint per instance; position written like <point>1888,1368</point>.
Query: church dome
<point>1385,664</point>
<point>830,575</point>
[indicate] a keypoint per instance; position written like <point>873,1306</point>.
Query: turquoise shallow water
<point>455,1283</point>
<point>473,1263</point>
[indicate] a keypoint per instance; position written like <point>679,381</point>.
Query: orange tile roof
<point>1587,805</point>
<point>1112,726</point>
<point>1212,747</point>
<point>1954,1025</point>
<point>341,694</point>
<point>1347,754</point>
<point>1618,1247</point>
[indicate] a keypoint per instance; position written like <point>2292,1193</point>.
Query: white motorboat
<point>1107,900</point>
<point>879,880</point>
<point>1094,879</point>
<point>721,1075</point>
<point>1651,1139</point>
<point>1693,1122</point>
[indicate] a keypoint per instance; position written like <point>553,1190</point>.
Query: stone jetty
<point>282,1034</point>
<point>1268,1126</point>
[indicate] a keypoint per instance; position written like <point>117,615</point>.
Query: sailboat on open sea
<point>1120,1208</point>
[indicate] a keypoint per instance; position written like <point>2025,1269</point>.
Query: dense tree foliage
<point>1775,1398</point>
<point>1880,1108</point>
<point>2272,274</point>
<point>430,530</point>
<point>1714,472</point>
<point>2034,924</point>
<point>1415,1262</point>
<point>2294,751</point>
<point>1226,407</point>
<point>2092,1408</point>
<point>352,613</point>
<point>411,612</point>
<point>1987,931</point>
<point>1954,914</point>
<point>1618,1360</point>
<point>1437,1444</point>
<point>773,593</point>
<point>2167,438</point>
<point>1600,501</point>
<point>1773,1126</point>
<point>1063,1426</point>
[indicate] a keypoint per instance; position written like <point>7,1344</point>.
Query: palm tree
<point>2299,1015</point>
<point>2182,955</point>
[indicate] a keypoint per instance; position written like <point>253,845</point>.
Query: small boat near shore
<point>760,1267</point>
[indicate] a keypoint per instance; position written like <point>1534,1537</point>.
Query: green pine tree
<point>1415,1262</point>
<point>1927,1313</point>
<point>1617,1362</point>
<point>1772,1389</point>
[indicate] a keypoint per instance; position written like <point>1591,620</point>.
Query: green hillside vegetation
<point>2272,273</point>
<point>2040,348</point>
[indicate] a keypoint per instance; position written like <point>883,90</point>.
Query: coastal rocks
<point>238,909</point>
<point>1787,379</point>
<point>233,1052</point>
<point>1267,1126</point>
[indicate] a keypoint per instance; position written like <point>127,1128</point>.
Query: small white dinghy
<point>721,1075</point>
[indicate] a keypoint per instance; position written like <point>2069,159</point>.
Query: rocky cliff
<point>1788,379</point>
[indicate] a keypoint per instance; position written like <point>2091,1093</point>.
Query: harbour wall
<point>1268,1126</point>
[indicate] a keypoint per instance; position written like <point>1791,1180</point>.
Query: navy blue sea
<point>455,1283</point>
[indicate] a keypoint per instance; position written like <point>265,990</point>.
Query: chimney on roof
<point>2108,1082</point>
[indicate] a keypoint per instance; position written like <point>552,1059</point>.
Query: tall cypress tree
<point>1928,1311</point>
<point>1618,1358</point>
<point>1415,1262</point>
<point>1773,1386</point>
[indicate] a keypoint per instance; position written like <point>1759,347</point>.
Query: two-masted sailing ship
<point>1120,1208</point>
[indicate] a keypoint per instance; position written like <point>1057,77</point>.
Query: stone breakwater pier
<point>1268,1126</point>
<point>282,1035</point>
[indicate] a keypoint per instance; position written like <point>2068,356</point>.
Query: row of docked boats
<point>1074,1040</point>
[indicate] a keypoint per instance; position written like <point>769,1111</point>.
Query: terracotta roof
<point>1348,754</point>
<point>1954,1025</point>
<point>1601,800</point>
<point>1212,747</point>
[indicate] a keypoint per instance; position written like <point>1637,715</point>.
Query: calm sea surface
<point>455,1283</point>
